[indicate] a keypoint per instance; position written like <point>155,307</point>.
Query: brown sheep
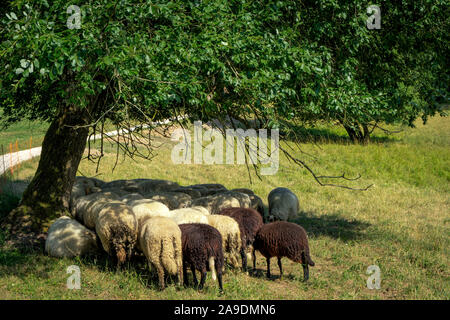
<point>283,239</point>
<point>250,221</point>
<point>202,251</point>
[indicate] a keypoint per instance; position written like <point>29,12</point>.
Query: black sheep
<point>202,251</point>
<point>250,221</point>
<point>283,239</point>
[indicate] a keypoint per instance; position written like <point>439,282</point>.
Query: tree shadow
<point>331,225</point>
<point>322,135</point>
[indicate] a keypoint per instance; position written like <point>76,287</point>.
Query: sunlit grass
<point>400,224</point>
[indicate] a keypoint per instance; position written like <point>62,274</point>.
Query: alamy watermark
<point>374,20</point>
<point>74,281</point>
<point>74,20</point>
<point>374,281</point>
<point>248,142</point>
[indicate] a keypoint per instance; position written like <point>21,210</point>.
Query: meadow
<point>401,224</point>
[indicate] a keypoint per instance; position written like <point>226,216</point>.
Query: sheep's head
<point>121,256</point>
<point>123,242</point>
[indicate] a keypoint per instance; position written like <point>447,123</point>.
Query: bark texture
<point>48,195</point>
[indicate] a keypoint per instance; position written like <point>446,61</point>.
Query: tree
<point>133,61</point>
<point>393,75</point>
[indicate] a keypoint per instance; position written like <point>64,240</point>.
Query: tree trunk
<point>356,134</point>
<point>48,195</point>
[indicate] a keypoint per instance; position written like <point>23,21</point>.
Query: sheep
<point>192,192</point>
<point>201,210</point>
<point>87,207</point>
<point>68,238</point>
<point>188,215</point>
<point>231,237</point>
<point>160,241</point>
<point>216,202</point>
<point>154,185</point>
<point>208,188</point>
<point>250,221</point>
<point>243,190</point>
<point>202,251</point>
<point>255,201</point>
<point>143,208</point>
<point>81,187</point>
<point>283,239</point>
<point>174,200</point>
<point>117,228</point>
<point>131,197</point>
<point>283,204</point>
<point>244,199</point>
<point>257,204</point>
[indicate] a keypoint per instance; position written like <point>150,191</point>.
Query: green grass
<point>22,132</point>
<point>400,224</point>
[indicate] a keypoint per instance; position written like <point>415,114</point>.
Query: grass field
<point>401,224</point>
<point>23,133</point>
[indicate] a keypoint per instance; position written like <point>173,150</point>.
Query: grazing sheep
<point>188,215</point>
<point>143,208</point>
<point>216,202</point>
<point>87,207</point>
<point>154,185</point>
<point>244,199</point>
<point>131,197</point>
<point>192,192</point>
<point>125,186</point>
<point>257,204</point>
<point>250,221</point>
<point>208,188</point>
<point>117,228</point>
<point>202,251</point>
<point>283,239</point>
<point>231,237</point>
<point>68,238</point>
<point>160,240</point>
<point>174,200</point>
<point>255,201</point>
<point>201,210</point>
<point>243,190</point>
<point>83,186</point>
<point>283,204</point>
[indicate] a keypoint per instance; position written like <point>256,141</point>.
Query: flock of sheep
<point>198,227</point>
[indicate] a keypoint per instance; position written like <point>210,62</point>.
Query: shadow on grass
<point>323,135</point>
<point>332,225</point>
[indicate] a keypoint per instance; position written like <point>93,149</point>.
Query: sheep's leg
<point>160,271</point>
<point>254,259</point>
<point>268,267</point>
<point>185,275</point>
<point>279,266</point>
<point>305,272</point>
<point>194,276</point>
<point>202,280</point>
<point>219,277</point>
<point>244,259</point>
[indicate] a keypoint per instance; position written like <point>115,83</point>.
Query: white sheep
<point>131,197</point>
<point>160,240</point>
<point>117,228</point>
<point>283,204</point>
<point>174,200</point>
<point>148,208</point>
<point>231,237</point>
<point>188,215</point>
<point>86,208</point>
<point>216,202</point>
<point>68,238</point>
